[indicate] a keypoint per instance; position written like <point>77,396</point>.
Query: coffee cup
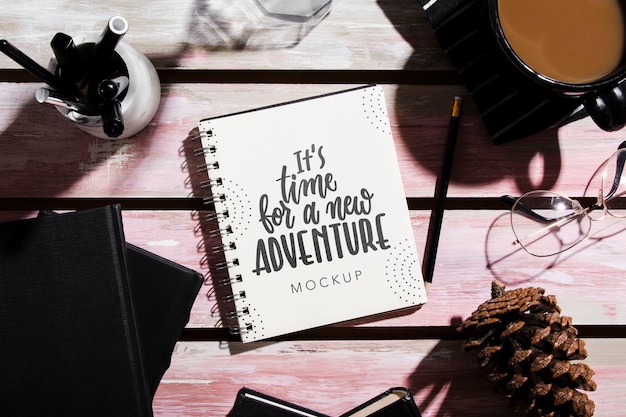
<point>573,47</point>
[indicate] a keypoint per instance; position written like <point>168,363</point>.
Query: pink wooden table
<point>47,163</point>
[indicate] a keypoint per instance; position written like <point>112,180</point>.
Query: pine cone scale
<point>527,348</point>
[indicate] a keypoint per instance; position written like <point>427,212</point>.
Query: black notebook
<point>394,402</point>
<point>69,342</point>
<point>251,403</point>
<point>163,294</point>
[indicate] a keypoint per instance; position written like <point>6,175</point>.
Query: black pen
<point>103,48</point>
<point>69,63</point>
<point>111,108</point>
<point>109,89</point>
<point>441,190</point>
<point>30,65</point>
<point>112,120</point>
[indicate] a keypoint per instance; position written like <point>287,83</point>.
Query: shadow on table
<point>509,263</point>
<point>463,391</point>
<point>43,155</point>
<point>52,155</point>
<point>513,266</point>
<point>483,162</point>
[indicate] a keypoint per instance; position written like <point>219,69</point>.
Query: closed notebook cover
<point>395,402</point>
<point>251,403</point>
<point>69,342</point>
<point>163,295</point>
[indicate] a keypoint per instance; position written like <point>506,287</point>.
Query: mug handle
<point>607,107</point>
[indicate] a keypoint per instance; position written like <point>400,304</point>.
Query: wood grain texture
<point>205,34</point>
<point>65,162</point>
<point>52,158</point>
<point>475,248</point>
<point>332,377</point>
<point>45,162</point>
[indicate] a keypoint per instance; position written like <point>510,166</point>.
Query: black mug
<point>602,90</point>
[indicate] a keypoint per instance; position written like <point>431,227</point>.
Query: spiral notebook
<point>312,213</point>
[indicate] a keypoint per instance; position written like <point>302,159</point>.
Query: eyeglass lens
<point>547,223</point>
<point>613,184</point>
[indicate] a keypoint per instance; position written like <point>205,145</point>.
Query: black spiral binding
<point>233,319</point>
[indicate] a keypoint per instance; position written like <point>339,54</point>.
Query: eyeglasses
<point>546,223</point>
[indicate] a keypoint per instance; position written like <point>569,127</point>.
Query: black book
<point>163,293</point>
<point>394,402</point>
<point>70,346</point>
<point>251,403</point>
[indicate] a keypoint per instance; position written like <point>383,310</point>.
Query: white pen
<point>70,102</point>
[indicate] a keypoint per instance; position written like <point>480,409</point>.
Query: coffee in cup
<point>574,47</point>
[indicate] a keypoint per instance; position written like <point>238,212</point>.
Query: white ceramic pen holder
<point>141,100</point>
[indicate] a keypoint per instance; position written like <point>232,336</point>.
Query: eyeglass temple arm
<point>509,200</point>
<point>621,158</point>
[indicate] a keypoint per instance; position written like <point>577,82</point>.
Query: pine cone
<point>526,347</point>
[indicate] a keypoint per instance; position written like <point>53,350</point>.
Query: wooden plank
<point>475,248</point>
<point>52,158</point>
<point>45,160</point>
<point>214,34</point>
<point>156,163</point>
<point>332,377</point>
